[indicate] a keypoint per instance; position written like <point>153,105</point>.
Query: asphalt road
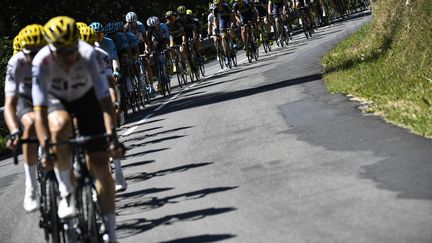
<point>261,153</point>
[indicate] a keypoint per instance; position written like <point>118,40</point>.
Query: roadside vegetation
<point>387,64</point>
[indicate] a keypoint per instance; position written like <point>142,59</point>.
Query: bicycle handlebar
<point>80,140</point>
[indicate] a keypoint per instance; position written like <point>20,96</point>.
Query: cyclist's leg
<point>26,116</point>
<point>224,44</point>
<point>244,35</point>
<point>147,66</point>
<point>60,123</point>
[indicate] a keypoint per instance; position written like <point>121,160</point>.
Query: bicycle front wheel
<point>89,226</point>
<point>51,206</point>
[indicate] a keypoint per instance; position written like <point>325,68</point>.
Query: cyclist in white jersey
<point>19,107</point>
<point>88,35</point>
<point>67,80</point>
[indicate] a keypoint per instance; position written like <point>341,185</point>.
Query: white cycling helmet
<point>153,21</point>
<point>131,17</point>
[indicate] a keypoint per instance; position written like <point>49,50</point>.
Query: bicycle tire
<point>249,54</point>
<point>90,226</point>
<point>52,206</point>
<point>184,74</point>
<point>202,70</point>
<point>221,58</point>
<point>179,74</point>
<point>256,53</point>
<point>123,98</point>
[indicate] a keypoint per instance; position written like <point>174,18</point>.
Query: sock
<point>110,225</point>
<point>30,175</point>
<point>64,181</point>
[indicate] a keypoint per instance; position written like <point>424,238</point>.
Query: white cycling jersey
<point>18,76</point>
<point>49,77</point>
<point>104,61</point>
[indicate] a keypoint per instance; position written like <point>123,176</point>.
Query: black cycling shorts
<point>178,40</point>
<point>89,116</point>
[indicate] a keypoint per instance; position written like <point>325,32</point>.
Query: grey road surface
<point>261,153</point>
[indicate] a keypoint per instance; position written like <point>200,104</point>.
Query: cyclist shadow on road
<point>138,202</point>
<point>142,153</point>
<point>202,238</point>
<point>143,176</point>
<point>131,227</point>
<point>217,97</point>
<point>144,136</point>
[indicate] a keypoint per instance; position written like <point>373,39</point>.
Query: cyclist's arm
<point>116,64</point>
<point>40,102</point>
<point>115,60</point>
<point>270,7</point>
<point>183,35</point>
<point>9,113</point>
<point>11,99</point>
<point>215,24</point>
<point>236,15</point>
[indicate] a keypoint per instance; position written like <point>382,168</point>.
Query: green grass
<point>388,62</point>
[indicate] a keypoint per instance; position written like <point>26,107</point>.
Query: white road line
<point>129,131</point>
<point>144,120</point>
<point>132,129</point>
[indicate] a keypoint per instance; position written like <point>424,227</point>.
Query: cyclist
<point>222,22</point>
<point>190,28</point>
<point>137,27</point>
<point>89,35</point>
<point>277,8</point>
<point>245,14</point>
<point>116,33</point>
<point>66,78</point>
<point>158,34</point>
<point>307,5</point>
<point>199,35</point>
<point>134,48</point>
<point>210,27</point>
<point>261,7</point>
<point>177,34</point>
<point>18,107</point>
<point>107,44</point>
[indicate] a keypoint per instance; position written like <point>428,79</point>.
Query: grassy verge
<point>388,62</point>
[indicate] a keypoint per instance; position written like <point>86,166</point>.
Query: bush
<point>389,62</point>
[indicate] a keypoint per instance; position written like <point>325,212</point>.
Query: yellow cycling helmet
<point>216,1</point>
<point>88,35</point>
<point>181,10</point>
<point>61,31</point>
<point>81,24</point>
<point>189,12</point>
<point>32,37</point>
<point>16,45</point>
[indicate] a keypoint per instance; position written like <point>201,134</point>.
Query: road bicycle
<point>179,65</point>
<point>252,51</point>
